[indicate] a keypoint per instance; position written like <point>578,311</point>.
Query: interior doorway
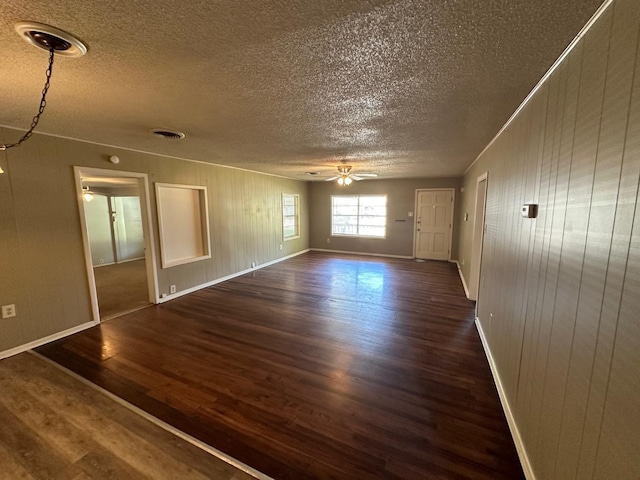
<point>478,236</point>
<point>116,231</point>
<point>434,222</point>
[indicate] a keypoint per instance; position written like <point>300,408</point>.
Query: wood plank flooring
<point>322,366</point>
<point>121,288</point>
<point>55,427</point>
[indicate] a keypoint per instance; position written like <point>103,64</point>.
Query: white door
<point>433,224</point>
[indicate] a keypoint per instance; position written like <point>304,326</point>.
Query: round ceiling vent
<point>47,37</point>
<point>169,134</point>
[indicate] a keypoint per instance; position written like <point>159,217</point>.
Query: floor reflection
<point>357,301</point>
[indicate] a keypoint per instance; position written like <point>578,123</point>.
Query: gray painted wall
<point>560,295</point>
<point>41,255</point>
<point>401,198</point>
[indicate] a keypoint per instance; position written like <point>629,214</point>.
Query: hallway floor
<point>121,287</point>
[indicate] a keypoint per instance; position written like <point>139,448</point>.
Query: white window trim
<point>297,216</point>
<point>373,237</point>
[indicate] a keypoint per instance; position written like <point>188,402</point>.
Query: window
<point>290,216</point>
<point>359,215</point>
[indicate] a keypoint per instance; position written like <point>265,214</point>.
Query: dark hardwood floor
<point>322,366</point>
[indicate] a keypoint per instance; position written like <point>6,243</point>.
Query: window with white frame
<point>290,216</point>
<point>359,215</point>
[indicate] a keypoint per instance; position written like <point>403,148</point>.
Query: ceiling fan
<point>345,177</point>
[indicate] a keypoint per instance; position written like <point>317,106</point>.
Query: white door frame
<point>415,214</point>
<point>147,229</point>
<point>478,237</point>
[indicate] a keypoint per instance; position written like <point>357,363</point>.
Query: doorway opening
<point>434,223</point>
<point>116,229</point>
<point>478,236</point>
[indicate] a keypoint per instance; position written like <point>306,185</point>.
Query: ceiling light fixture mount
<point>56,42</point>
<point>47,37</point>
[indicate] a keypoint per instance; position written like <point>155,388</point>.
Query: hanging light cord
<point>43,103</point>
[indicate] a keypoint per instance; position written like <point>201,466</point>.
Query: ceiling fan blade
<point>370,175</point>
<point>356,177</point>
<point>332,178</point>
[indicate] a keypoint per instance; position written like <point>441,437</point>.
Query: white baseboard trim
<point>118,263</point>
<point>156,421</point>
<point>408,257</point>
<point>130,260</point>
<point>103,264</point>
<point>464,284</point>
<point>37,343</point>
<point>511,421</point>
<point>228,277</point>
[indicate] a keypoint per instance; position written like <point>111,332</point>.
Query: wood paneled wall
<point>41,255</point>
<point>559,297</point>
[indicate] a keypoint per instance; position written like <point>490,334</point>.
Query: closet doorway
<point>117,247</point>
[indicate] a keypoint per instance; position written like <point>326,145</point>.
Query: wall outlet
<point>172,289</point>
<point>462,262</point>
<point>328,240</point>
<point>8,311</point>
<point>280,246</point>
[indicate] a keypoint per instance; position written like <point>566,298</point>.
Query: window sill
<point>357,236</point>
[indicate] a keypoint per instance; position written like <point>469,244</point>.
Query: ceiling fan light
<point>87,194</point>
<point>347,181</point>
<point>341,181</point>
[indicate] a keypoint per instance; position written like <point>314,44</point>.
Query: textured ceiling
<point>403,88</point>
